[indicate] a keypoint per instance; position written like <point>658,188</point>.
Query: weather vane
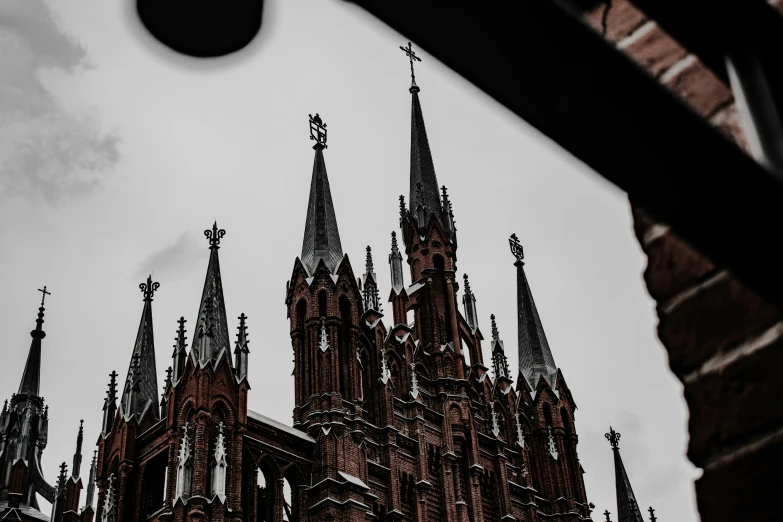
<point>214,236</point>
<point>516,247</point>
<point>411,56</point>
<point>149,288</point>
<point>44,293</point>
<point>318,131</point>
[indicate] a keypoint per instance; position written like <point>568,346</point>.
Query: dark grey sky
<point>115,155</point>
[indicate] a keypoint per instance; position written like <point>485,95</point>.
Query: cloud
<point>46,152</point>
<point>186,251</point>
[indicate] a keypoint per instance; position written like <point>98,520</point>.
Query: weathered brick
<point>718,317</point>
<point>745,489</point>
<point>739,401</point>
<point>727,120</point>
<point>699,88</point>
<point>673,266</point>
<point>655,50</point>
<point>622,19</point>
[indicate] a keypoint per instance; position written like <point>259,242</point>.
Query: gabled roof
<point>321,237</point>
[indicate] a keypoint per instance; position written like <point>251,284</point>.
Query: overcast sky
<point>116,154</point>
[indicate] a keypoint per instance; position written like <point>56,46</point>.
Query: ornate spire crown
<point>495,335</point>
<point>149,288</point>
<point>318,131</point>
<point>214,236</point>
<point>613,437</point>
<point>411,57</point>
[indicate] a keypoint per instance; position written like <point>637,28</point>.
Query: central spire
<point>31,378</point>
<point>627,508</point>
<point>321,237</point>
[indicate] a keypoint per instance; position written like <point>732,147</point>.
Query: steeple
<point>469,302</point>
<point>241,351</point>
<point>424,191</point>
<point>395,261</point>
<point>499,359</point>
<point>627,508</point>
<point>141,385</point>
<point>321,237</point>
<point>211,335</point>
<point>535,357</point>
<point>31,378</point>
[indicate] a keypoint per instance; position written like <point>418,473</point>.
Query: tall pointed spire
<point>321,237</point>
<point>180,352</point>
<point>77,456</point>
<point>372,299</point>
<point>109,404</point>
<point>627,508</point>
<point>91,482</point>
<point>499,359</point>
<point>395,261</point>
<point>31,378</point>
<point>535,357</point>
<point>141,385</point>
<point>469,302</point>
<point>241,351</point>
<point>211,335</point>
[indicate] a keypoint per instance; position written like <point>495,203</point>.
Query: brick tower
<point>394,419</point>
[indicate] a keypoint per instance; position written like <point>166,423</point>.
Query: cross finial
<point>214,236</point>
<point>411,56</point>
<point>368,261</point>
<point>149,288</point>
<point>652,514</point>
<point>242,327</point>
<point>613,437</point>
<point>169,371</point>
<point>606,514</point>
<point>318,131</point>
<point>44,293</point>
<point>516,247</point>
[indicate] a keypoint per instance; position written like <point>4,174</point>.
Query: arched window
<point>347,348</point>
<point>153,484</point>
<point>288,515</point>
<point>565,418</point>
<point>265,495</point>
<point>301,314</point>
<point>322,303</point>
<point>547,414</point>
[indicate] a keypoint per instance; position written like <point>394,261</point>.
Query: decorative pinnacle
<point>495,335</point>
<point>411,56</point>
<point>181,334</point>
<point>38,332</point>
<point>63,475</point>
<point>242,328</point>
<point>394,241</point>
<point>368,262</point>
<point>606,513</point>
<point>467,284</point>
<point>81,428</point>
<point>149,288</point>
<point>613,437</point>
<point>402,207</point>
<point>214,236</point>
<point>318,131</point>
<point>652,514</point>
<point>169,371</point>
<point>516,247</point>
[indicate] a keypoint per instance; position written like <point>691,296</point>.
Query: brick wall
<point>725,343</point>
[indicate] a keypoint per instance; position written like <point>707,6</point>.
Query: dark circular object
<point>202,28</point>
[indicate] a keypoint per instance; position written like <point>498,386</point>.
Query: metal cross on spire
<point>149,288</point>
<point>411,56</point>
<point>44,293</point>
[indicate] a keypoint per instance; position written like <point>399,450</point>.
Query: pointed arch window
<point>322,303</point>
<point>184,466</point>
<point>301,314</point>
<point>346,355</point>
<point>219,465</point>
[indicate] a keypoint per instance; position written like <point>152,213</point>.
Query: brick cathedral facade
<point>397,417</point>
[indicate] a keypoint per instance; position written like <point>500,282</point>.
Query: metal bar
<point>546,66</point>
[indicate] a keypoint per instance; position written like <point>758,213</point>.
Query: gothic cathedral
<point>396,418</point>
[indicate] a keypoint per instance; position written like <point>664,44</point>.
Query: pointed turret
<point>321,237</point>
<point>77,456</point>
<point>499,359</point>
<point>372,299</point>
<point>395,262</point>
<point>241,351</point>
<point>91,482</point>
<point>469,303</point>
<point>627,508</point>
<point>211,338</point>
<point>180,353</point>
<point>535,357</point>
<point>109,404</point>
<point>31,378</point>
<point>141,389</point>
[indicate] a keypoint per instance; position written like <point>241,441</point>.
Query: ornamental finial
<point>149,288</point>
<point>44,293</point>
<point>214,236</point>
<point>613,437</point>
<point>516,247</point>
<point>411,57</point>
<point>242,328</point>
<point>652,514</point>
<point>368,262</point>
<point>606,514</point>
<point>495,335</point>
<point>318,131</point>
<point>467,283</point>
